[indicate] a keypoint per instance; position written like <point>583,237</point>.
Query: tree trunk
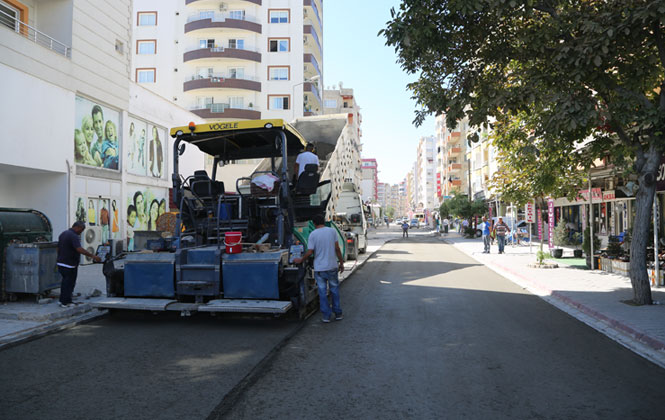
<point>640,238</point>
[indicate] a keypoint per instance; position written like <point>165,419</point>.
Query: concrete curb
<point>39,331</point>
<point>631,338</point>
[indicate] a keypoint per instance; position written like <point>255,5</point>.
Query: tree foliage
<point>460,206</point>
<point>587,70</point>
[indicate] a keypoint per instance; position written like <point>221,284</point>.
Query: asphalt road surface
<point>428,334</point>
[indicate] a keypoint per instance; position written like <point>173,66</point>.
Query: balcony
<point>232,53</point>
<point>217,111</point>
<point>216,3</point>
<point>454,151</point>
<point>311,66</point>
<point>311,88</point>
<point>454,167</point>
<point>198,22</point>
<point>219,82</point>
<point>309,30</point>
<point>315,10</point>
<point>34,35</point>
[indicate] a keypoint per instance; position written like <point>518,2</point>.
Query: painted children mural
<point>96,135</point>
<point>144,206</point>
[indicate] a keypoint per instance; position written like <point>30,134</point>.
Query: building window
<point>279,45</point>
<point>237,43</point>
<point>237,14</point>
<point>146,19</point>
<point>278,102</point>
<point>330,103</point>
<point>236,73</point>
<point>206,43</point>
<point>237,102</point>
<point>279,73</point>
<point>279,16</point>
<point>148,46</point>
<point>11,18</point>
<point>145,75</point>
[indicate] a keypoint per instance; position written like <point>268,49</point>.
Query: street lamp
<point>293,91</point>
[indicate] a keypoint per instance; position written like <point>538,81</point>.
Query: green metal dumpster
<point>20,226</point>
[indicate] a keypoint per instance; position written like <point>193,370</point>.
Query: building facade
<point>426,184</point>
<point>369,185</point>
<point>96,148</point>
<point>234,59</point>
<point>451,157</point>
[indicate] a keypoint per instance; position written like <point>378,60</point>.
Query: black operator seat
<point>204,187</point>
<point>308,181</point>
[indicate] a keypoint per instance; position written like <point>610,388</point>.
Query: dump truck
<point>233,246</point>
<point>351,219</point>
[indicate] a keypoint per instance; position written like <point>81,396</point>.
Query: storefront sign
<point>540,226</point>
<point>530,213</point>
<point>609,195</point>
<point>550,221</point>
<point>583,195</point>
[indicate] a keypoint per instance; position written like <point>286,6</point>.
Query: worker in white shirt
<point>305,158</point>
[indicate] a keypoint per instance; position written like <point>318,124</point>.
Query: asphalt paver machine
<point>233,248</point>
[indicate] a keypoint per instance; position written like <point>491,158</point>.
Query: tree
<point>390,212</point>
<point>590,70</point>
<point>460,206</point>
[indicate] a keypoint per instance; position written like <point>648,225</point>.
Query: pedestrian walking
<point>405,229</point>
<point>485,227</point>
<point>69,256</point>
<point>323,244</point>
<point>500,230</point>
<point>446,225</point>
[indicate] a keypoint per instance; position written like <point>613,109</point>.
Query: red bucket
<point>233,242</point>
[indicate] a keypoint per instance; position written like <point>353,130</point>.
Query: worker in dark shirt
<point>69,256</point>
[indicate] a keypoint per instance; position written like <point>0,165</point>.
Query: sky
<point>354,55</point>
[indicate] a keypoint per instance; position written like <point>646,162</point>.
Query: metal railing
<point>219,17</point>
<point>218,77</point>
<point>32,34</point>
<point>221,107</point>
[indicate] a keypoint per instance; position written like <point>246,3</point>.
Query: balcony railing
<point>34,35</point>
<point>220,82</point>
<point>218,17</point>
<point>219,77</point>
<point>225,110</point>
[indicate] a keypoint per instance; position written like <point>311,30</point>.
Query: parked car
<point>415,223</point>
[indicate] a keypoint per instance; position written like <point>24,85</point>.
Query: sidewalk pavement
<point>27,319</point>
<point>592,296</point>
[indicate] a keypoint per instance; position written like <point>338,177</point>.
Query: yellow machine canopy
<point>236,140</point>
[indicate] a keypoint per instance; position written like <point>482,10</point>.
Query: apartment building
<point>81,140</point>
<point>426,192</point>
<point>369,185</point>
<point>232,59</point>
<point>451,157</point>
<point>482,156</point>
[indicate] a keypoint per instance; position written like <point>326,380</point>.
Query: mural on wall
<point>97,135</point>
<point>146,149</point>
<point>99,213</point>
<point>144,206</point>
<point>101,217</point>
